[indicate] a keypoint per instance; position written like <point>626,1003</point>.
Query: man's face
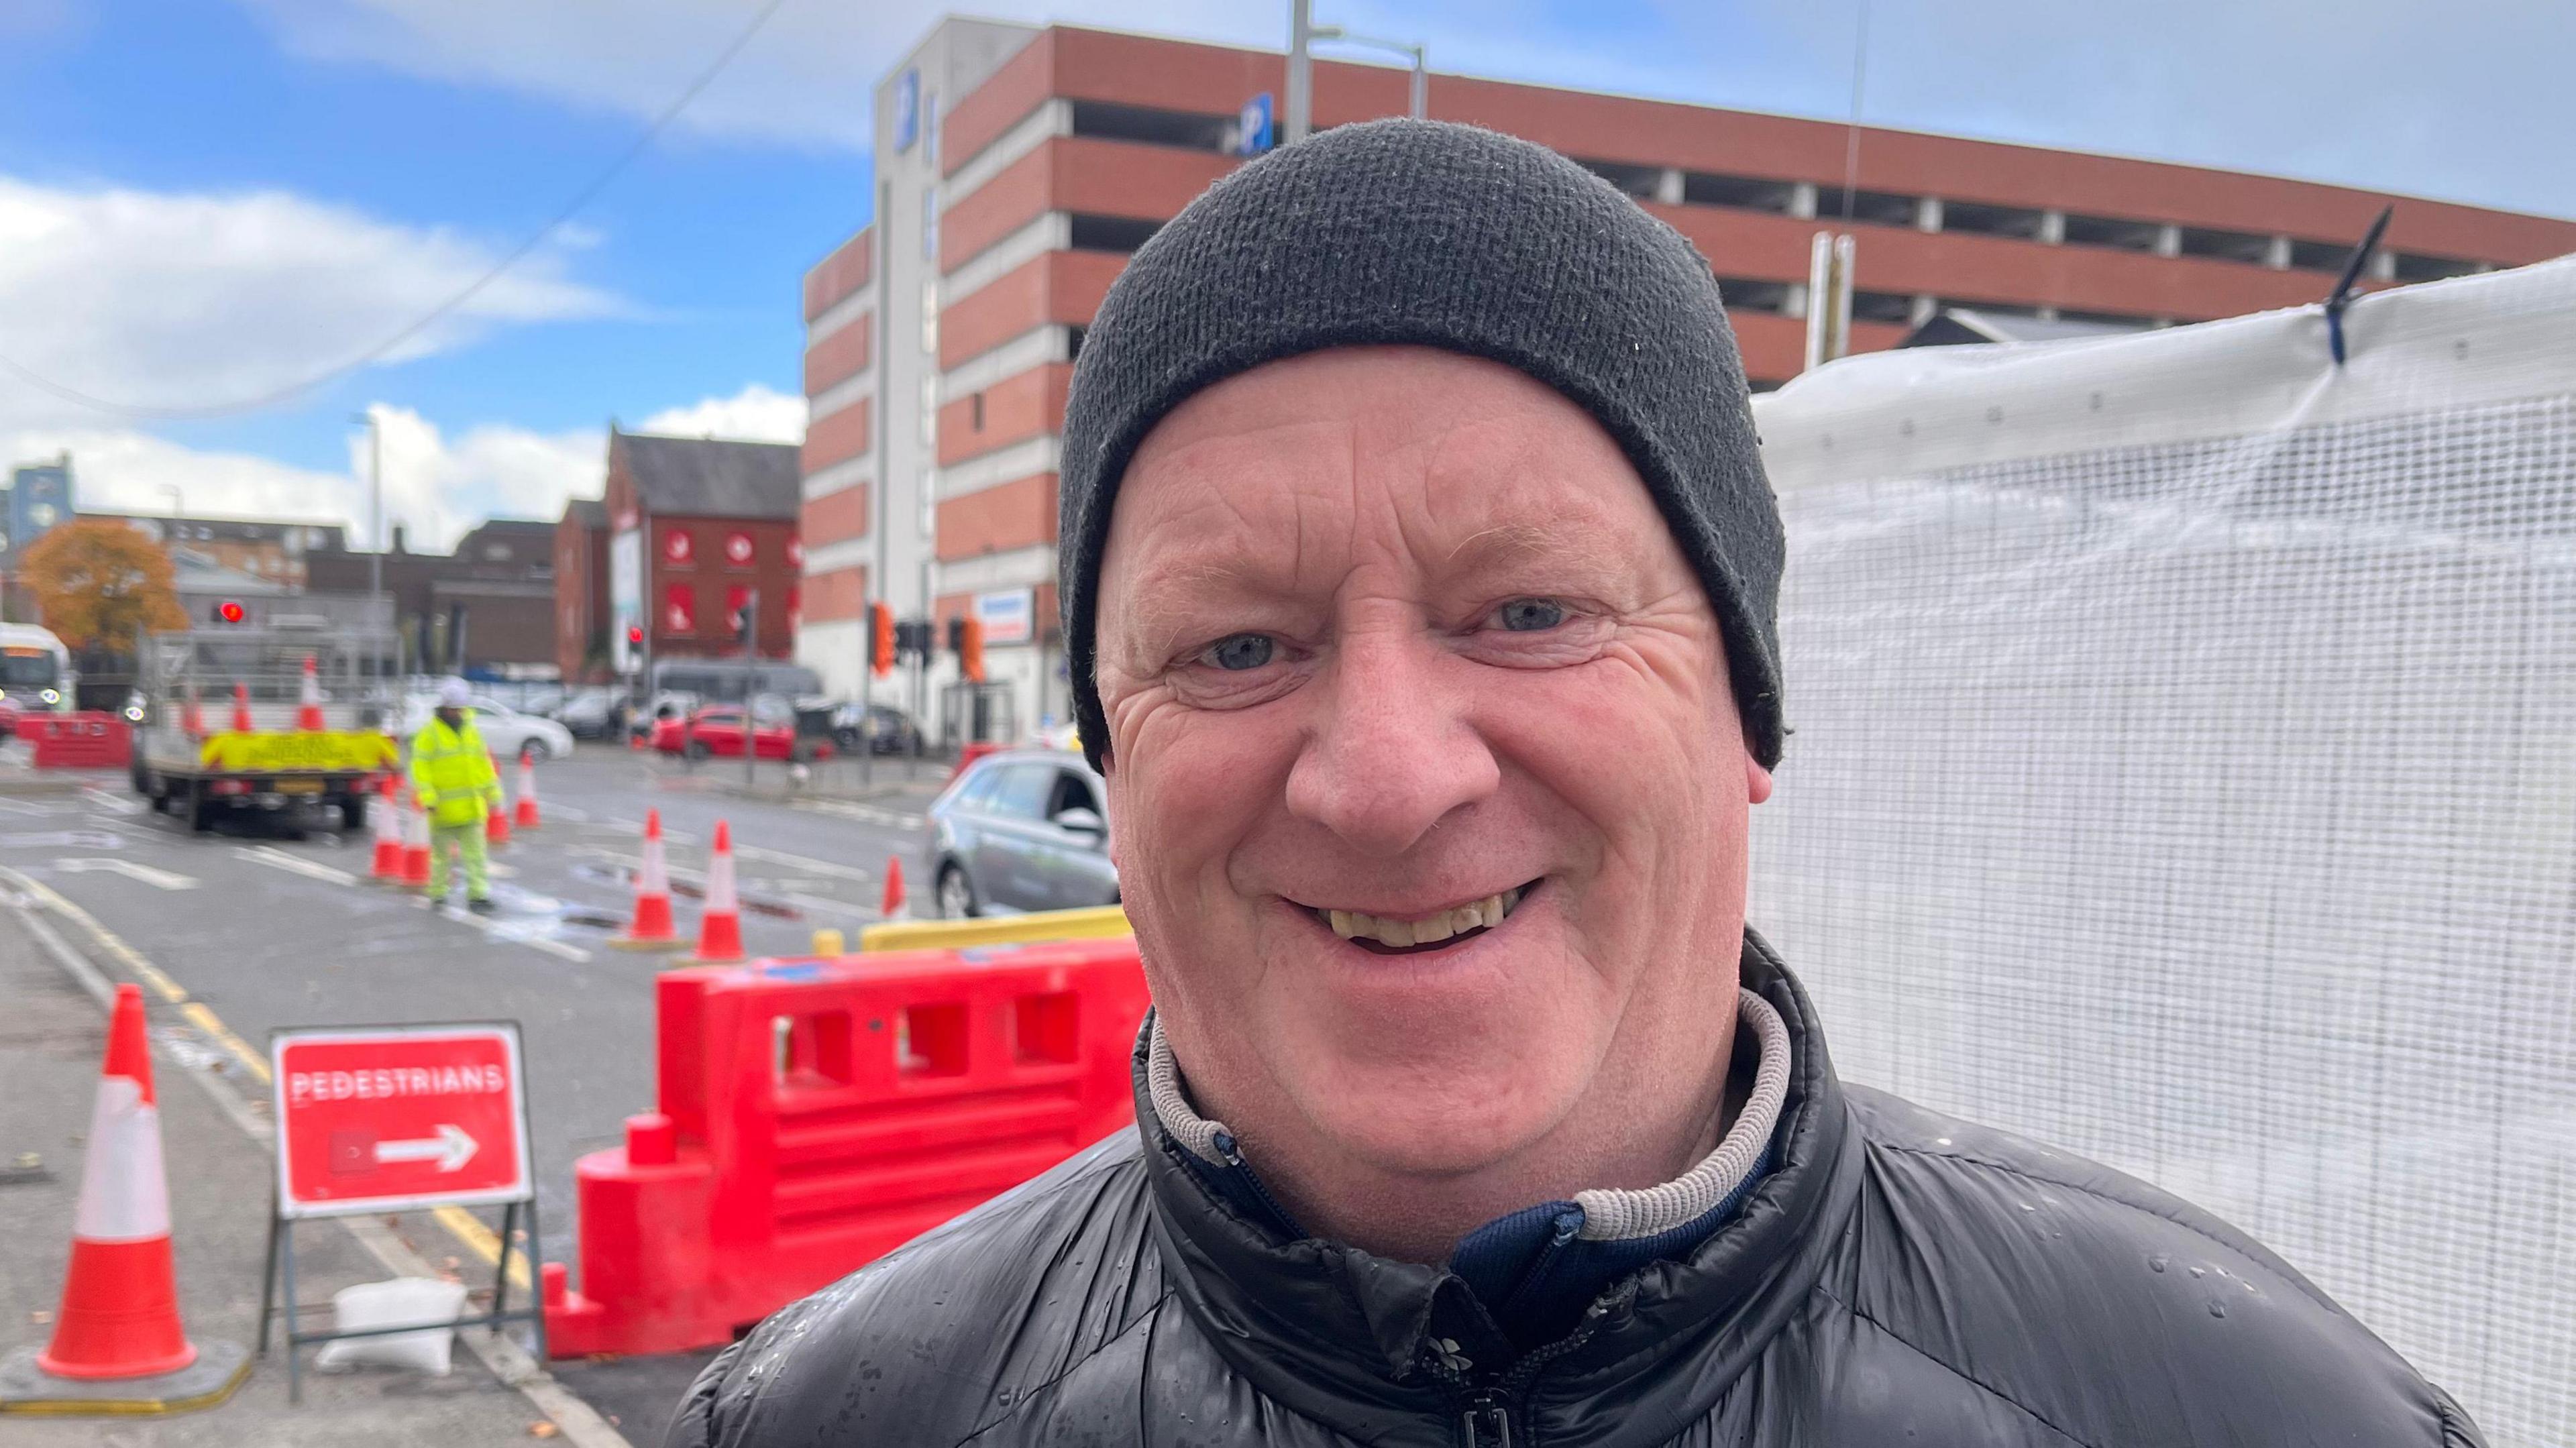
<point>1398,632</point>
<point>450,715</point>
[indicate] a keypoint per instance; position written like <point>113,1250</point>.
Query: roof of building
<point>589,513</point>
<point>1963,326</point>
<point>713,477</point>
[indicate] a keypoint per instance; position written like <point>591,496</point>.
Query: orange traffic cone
<point>120,1313</point>
<point>526,816</point>
<point>415,855</point>
<point>241,708</point>
<point>720,929</point>
<point>308,704</point>
<point>651,928</point>
<point>496,822</point>
<point>892,907</point>
<point>387,867</point>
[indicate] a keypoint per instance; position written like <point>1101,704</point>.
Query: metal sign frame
<point>514,1199</point>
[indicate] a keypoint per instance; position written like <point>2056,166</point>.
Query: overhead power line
<point>413,328</point>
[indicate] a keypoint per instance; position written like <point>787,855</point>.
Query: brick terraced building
<point>1018,167</point>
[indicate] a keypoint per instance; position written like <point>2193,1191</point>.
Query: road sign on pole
<point>378,1119</point>
<point>1252,128</point>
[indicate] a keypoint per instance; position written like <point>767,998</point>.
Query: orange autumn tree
<point>96,582</point>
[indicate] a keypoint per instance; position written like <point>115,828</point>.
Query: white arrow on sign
<point>451,1149</point>
<point>145,873</point>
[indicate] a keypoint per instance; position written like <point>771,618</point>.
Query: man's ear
<point>1757,780</point>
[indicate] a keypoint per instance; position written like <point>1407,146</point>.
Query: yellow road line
<point>127,955</point>
<point>483,1242</point>
<point>206,1021</point>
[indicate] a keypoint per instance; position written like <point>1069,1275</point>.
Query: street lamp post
<point>1301,73</point>
<point>1417,90</point>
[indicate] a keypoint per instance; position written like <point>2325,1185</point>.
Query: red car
<point>715,732</point>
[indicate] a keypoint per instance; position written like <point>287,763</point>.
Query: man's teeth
<point>1474,915</point>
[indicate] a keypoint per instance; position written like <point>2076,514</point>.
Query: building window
<point>739,551</point>
<point>2227,245</point>
<point>930,412</point>
<point>1187,129</point>
<point>1884,207</point>
<point>678,549</point>
<point>1741,192</point>
<point>679,609</point>
<point>930,130</point>
<point>930,315</point>
<point>1117,234</point>
<point>930,223</point>
<point>1636,181</point>
<point>976,407</point>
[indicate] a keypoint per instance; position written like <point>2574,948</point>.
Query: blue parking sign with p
<point>1252,126</point>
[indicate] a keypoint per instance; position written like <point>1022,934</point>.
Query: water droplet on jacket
<point>2157,1261</point>
<point>2027,1207</point>
<point>2200,1272</point>
<point>2218,1309</point>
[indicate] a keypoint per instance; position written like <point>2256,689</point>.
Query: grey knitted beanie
<point>1444,236</point>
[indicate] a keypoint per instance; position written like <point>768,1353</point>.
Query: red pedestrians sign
<point>378,1118</point>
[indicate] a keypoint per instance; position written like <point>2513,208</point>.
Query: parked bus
<point>35,671</point>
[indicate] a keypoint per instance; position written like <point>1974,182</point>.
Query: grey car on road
<point>1025,829</point>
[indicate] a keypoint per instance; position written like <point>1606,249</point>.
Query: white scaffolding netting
<point>2185,774</point>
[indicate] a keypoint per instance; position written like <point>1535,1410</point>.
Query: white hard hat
<point>452,694</point>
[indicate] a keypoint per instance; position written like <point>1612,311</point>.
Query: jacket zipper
<point>1485,1418</point>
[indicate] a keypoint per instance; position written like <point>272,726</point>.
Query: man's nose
<point>1392,749</point>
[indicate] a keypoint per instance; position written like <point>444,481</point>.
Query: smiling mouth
<point>1385,935</point>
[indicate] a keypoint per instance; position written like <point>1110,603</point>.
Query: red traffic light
<point>228,611</point>
<point>635,634</point>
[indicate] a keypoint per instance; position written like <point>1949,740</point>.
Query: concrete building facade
<point>1018,167</point>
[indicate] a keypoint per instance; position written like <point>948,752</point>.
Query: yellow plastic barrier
<point>1094,924</point>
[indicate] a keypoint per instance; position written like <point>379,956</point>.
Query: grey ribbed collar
<point>1608,1215</point>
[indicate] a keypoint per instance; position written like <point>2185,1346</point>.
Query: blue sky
<point>203,199</point>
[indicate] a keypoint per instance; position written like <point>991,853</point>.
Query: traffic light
<point>635,635</point>
<point>230,611</point>
<point>881,640</point>
<point>746,619</point>
<point>970,650</point>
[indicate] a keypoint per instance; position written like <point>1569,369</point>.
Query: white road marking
<point>122,804</point>
<point>161,879</point>
<point>864,813</point>
<point>806,863</point>
<point>275,858</point>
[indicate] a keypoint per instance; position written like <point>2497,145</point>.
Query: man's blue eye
<point>1241,651</point>
<point>1531,615</point>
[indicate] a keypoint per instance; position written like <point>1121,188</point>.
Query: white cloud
<point>2464,100</point>
<point>175,300</point>
<point>806,79</point>
<point>755,414</point>
<point>437,484</point>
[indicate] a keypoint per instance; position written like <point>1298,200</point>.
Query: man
<point>1419,574</point>
<point>454,783</point>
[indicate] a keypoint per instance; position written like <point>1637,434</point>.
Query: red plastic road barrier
<point>89,740</point>
<point>120,1310</point>
<point>816,1114</point>
<point>967,755</point>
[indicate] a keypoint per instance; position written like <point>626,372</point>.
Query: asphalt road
<point>268,926</point>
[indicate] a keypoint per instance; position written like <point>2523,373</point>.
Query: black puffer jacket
<point>1898,1280</point>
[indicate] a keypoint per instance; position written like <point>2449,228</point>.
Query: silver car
<point>1025,829</point>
